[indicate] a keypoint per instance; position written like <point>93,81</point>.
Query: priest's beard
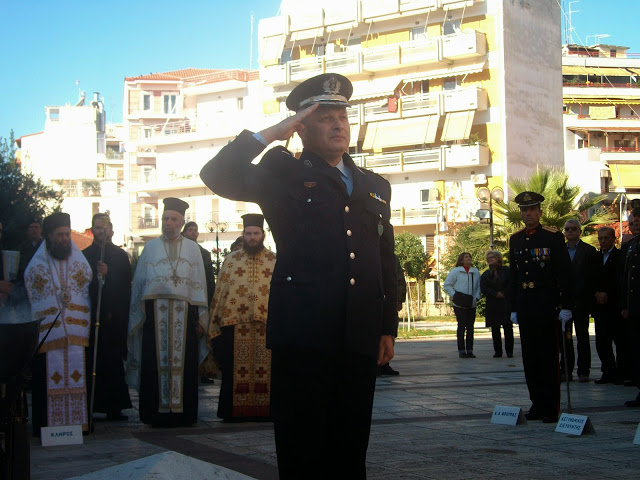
<point>253,248</point>
<point>59,251</point>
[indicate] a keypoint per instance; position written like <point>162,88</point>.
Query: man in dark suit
<point>606,312</point>
<point>540,283</point>
<point>332,307</point>
<point>191,232</point>
<point>30,246</point>
<point>630,297</point>
<point>583,264</point>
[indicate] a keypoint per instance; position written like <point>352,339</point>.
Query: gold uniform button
<point>526,273</point>
<point>348,233</point>
<point>527,239</point>
<point>352,255</point>
<point>352,281</point>
<point>526,261</point>
<point>346,209</point>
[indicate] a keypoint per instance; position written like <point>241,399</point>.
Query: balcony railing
<point>465,99</point>
<point>619,149</point>
<point>428,213</point>
<point>421,104</point>
<point>431,50</point>
<point>456,156</point>
<point>146,223</point>
<point>411,160</point>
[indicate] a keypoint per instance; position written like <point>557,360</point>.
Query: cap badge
<point>526,197</point>
<point>331,86</point>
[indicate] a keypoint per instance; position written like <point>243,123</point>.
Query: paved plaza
<point>430,422</point>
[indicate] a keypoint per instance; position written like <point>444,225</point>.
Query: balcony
<point>409,5</point>
<point>457,156</point>
<point>620,155</point>
<point>146,223</point>
<point>379,59</point>
<point>420,104</point>
<point>462,45</point>
<point>428,214</point>
<point>465,99</point>
<point>346,63</point>
<point>420,52</point>
<point>306,68</point>
<point>404,161</point>
<point>379,8</point>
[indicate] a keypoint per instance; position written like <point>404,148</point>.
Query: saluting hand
<point>287,127</point>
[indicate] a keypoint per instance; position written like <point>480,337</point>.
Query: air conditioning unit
<point>479,179</point>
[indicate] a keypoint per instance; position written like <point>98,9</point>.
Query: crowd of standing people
<point>304,334</point>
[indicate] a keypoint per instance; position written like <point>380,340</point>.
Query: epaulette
<point>281,149</point>
<point>550,229</point>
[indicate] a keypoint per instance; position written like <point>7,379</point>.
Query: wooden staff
<point>97,331</point>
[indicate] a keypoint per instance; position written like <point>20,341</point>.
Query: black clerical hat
<point>56,220</point>
<point>325,89</point>
<point>175,204</point>
<point>253,220</point>
<point>528,199</point>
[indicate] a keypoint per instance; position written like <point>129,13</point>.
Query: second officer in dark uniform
<point>540,285</point>
<point>332,305</point>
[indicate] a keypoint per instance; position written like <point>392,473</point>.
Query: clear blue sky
<point>47,45</point>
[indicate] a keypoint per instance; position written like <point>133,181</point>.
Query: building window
<point>354,43</point>
<point>450,83</point>
<point>147,132</point>
<point>100,170</point>
<point>101,146</point>
<point>285,57</point>
<point>240,103</point>
<point>451,27</point>
<point>613,53</point>
<point>54,114</point>
<point>429,195</point>
<point>419,33</point>
<point>170,103</point>
<point>147,102</point>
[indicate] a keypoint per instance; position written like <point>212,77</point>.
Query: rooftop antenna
<point>596,38</point>
<point>568,36</point>
<point>251,43</point>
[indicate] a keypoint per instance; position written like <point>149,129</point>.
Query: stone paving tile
<point>430,422</point>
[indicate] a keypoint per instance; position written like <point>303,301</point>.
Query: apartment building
<point>601,95</point>
<point>175,122</point>
<point>79,155</point>
<point>448,95</point>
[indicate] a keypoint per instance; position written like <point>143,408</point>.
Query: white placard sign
<point>61,435</point>
<point>636,440</point>
<point>574,424</point>
<point>507,415</point>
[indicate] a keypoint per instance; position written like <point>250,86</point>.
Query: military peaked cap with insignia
<point>175,204</point>
<point>528,199</point>
<point>325,89</point>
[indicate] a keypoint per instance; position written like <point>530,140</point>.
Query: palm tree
<point>561,204</point>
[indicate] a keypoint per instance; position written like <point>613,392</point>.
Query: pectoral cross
<point>175,279</point>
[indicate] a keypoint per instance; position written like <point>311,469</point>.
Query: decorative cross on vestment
<point>175,279</point>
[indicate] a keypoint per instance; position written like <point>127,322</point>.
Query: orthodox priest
<point>57,281</point>
<point>168,322</point>
<point>112,265</point>
<point>238,326</point>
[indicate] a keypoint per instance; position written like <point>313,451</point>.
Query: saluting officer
<point>332,307</point>
<point>540,284</point>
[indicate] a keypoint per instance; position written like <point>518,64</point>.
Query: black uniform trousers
<point>579,319</point>
<point>538,336</point>
<point>321,406</point>
<point>610,330</point>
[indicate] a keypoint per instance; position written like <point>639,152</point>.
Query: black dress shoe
<point>114,417</point>
<point>633,403</point>
<point>510,355</point>
<point>387,370</point>
<point>497,355</point>
<point>603,379</point>
<point>470,355</point>
<point>550,419</point>
<point>629,383</point>
<point>531,415</point>
<point>463,355</point>
<point>563,377</point>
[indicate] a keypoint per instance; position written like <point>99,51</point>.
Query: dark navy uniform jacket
<point>540,271</point>
<point>334,283</point>
<point>630,298</point>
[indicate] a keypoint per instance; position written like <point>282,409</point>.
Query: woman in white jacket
<point>464,279</point>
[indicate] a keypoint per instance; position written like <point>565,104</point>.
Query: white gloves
<point>564,316</point>
<point>514,318</point>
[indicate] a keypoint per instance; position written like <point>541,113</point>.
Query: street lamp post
<point>485,195</point>
<point>217,227</point>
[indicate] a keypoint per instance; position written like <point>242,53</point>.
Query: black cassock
<point>112,392</point>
